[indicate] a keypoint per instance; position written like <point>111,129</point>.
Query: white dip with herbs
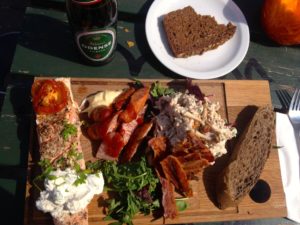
<point>183,112</point>
<point>62,196</point>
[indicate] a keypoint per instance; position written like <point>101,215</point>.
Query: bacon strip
<point>135,140</point>
<point>136,104</point>
<point>111,146</point>
<point>121,99</point>
<point>99,130</point>
<point>118,138</point>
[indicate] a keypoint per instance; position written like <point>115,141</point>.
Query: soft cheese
<point>62,196</point>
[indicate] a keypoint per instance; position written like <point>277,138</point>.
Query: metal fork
<point>294,115</point>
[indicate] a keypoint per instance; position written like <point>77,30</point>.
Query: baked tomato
<point>49,96</point>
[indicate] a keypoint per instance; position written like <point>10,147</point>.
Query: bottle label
<point>86,2</point>
<point>96,45</point>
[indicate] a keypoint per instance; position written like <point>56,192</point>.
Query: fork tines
<point>295,103</point>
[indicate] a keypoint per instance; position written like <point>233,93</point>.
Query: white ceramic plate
<point>211,64</point>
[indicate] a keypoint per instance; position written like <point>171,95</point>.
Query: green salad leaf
<point>157,90</point>
<point>133,186</point>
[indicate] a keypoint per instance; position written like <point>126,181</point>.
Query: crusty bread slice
<point>189,33</point>
<point>247,160</point>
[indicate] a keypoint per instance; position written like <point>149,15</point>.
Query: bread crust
<point>247,159</point>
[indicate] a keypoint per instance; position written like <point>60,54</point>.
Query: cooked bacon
<point>136,104</point>
<point>135,140</point>
<point>121,136</point>
<point>111,146</point>
<point>159,149</point>
<point>127,129</point>
<point>173,171</point>
<point>98,131</point>
<point>122,98</point>
<point>168,198</point>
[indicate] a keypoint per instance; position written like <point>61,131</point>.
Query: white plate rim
<point>218,72</point>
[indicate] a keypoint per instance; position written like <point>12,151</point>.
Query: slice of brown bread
<point>247,160</point>
<point>189,33</point>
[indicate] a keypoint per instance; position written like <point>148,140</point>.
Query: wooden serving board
<point>237,99</point>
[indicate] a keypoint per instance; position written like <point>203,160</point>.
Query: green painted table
<point>45,48</point>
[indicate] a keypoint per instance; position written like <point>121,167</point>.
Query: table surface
<point>45,48</point>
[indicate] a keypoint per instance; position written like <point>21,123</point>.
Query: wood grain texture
<point>237,99</point>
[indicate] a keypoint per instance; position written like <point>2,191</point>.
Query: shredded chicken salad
<point>183,112</point>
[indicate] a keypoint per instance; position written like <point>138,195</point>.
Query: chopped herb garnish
<point>47,168</point>
<point>44,164</point>
<point>74,154</point>
<point>81,178</point>
<point>68,130</point>
<point>91,168</point>
<point>61,162</point>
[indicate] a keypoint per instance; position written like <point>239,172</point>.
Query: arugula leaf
<point>68,130</point>
<point>157,90</point>
<point>94,166</point>
<point>133,186</point>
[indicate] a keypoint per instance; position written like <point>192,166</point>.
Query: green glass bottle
<point>94,25</point>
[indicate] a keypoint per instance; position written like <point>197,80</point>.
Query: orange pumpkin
<point>281,21</point>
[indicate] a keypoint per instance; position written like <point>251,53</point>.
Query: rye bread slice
<point>189,33</point>
<point>247,160</point>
